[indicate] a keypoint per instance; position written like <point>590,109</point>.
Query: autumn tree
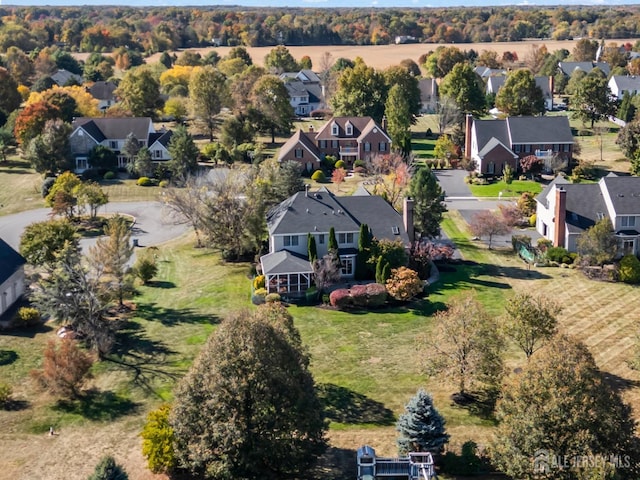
<point>465,88</point>
<point>520,95</point>
<point>361,92</point>
<point>597,245</point>
<point>464,346</point>
<point>248,408</point>
<point>184,154</point>
<point>65,369</point>
<point>158,440</point>
<point>112,254</point>
<point>488,224</point>
<point>50,152</point>
<point>140,92</point>
<point>398,114</point>
<point>10,98</point>
<point>31,120</point>
<point>530,321</point>
<point>279,60</point>
<point>186,204</point>
<point>441,62</point>
<point>561,404</point>
<point>270,99</point>
<point>391,175</point>
<point>585,50</point>
<point>444,147</point>
<point>208,93</point>
<point>404,284</point>
<point>429,206</point>
<point>532,165</point>
<point>591,100</point>
<point>338,175</point>
<point>421,427</point>
<point>41,242</point>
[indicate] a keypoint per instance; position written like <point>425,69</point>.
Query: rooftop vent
<point>395,230</point>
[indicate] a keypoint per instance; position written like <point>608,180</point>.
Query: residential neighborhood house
<point>103,92</point>
<point>305,91</point>
<point>287,268</point>
<point>428,95</point>
<point>568,68</point>
<point>87,133</point>
<point>564,210</point>
<point>621,84</point>
<point>346,138</point>
<point>12,278</point>
<point>544,83</point>
<point>64,78</point>
<point>496,143</point>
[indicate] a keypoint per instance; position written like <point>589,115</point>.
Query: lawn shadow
<point>481,403</point>
<point>27,332</point>
<point>132,340</point>
<point>172,316</point>
<point>99,406</point>
<point>335,463</point>
<point>13,405</point>
<point>346,406</point>
<point>160,284</point>
<point>7,357</point>
<point>618,383</point>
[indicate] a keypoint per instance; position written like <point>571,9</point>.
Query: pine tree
<point>108,469</point>
<point>429,207</point>
<point>311,248</point>
<point>364,250</point>
<point>333,242</point>
<point>421,427</point>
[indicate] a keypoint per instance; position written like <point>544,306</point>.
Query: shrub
<point>340,298</point>
<point>145,268</point>
<point>359,296</point>
<point>404,284</point>
<point>532,220</point>
<point>164,184</point>
<point>273,298</point>
<point>359,163</point>
<point>340,164</point>
<point>325,299</point>
<point>7,357</point>
<point>557,254</point>
<point>109,175</point>
<point>544,244</point>
<point>27,317</point>
<point>360,170</point>
<point>157,441</point>
<point>259,282</point>
<point>629,269</point>
<point>5,394</point>
<point>108,469</point>
<point>319,176</point>
<point>47,183</point>
<point>377,294</point>
<point>144,182</point>
<point>311,295</point>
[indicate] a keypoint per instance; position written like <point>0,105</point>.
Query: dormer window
<point>349,129</point>
<point>335,129</point>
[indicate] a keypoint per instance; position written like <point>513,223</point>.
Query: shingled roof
<point>10,261</point>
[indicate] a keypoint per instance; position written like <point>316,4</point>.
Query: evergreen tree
<point>108,469</point>
<point>364,250</point>
<point>421,427</point>
<point>383,270</point>
<point>311,248</point>
<point>333,241</point>
<point>428,204</point>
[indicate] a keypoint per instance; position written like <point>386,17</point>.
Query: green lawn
<point>516,188</point>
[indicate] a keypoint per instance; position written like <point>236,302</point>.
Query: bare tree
<point>448,114</point>
<point>488,224</point>
<point>391,175</point>
<point>326,271</point>
<point>186,204</point>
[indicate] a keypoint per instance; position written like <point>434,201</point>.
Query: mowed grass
<point>514,189</point>
<point>19,187</point>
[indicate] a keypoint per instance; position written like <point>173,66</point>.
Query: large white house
<point>11,276</point>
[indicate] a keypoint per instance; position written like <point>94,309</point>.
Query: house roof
<point>543,196</point>
<point>494,83</point>
<point>584,203</point>
<point>428,87</point>
<point>62,77</point>
<point>10,261</point>
<point>523,130</point>
<point>485,130</point>
<point>102,128</point>
<point>307,76</point>
<point>569,67</point>
<point>626,82</point>
<point>359,125</point>
<point>623,192</point>
<point>163,138</point>
<point>489,72</point>
<point>319,211</point>
<point>102,90</point>
<point>493,144</point>
<point>299,138</point>
<point>284,261</point>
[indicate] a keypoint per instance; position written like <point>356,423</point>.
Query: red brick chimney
<point>384,123</point>
<point>311,129</point>
<point>560,217</point>
<point>467,135</point>
<point>407,218</point>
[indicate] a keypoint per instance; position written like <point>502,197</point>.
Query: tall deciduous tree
<point>408,83</point>
<point>248,407</point>
<point>279,60</point>
<point>428,203</point>
<point>10,98</point>
<point>31,120</point>
<point>270,99</point>
<point>140,92</point>
<point>591,100</point>
<point>186,205</point>
<point>184,154</point>
<point>530,321</point>
<point>421,427</point>
<point>50,151</point>
<point>208,93</point>
<point>464,346</point>
<point>398,114</point>
<point>361,92</point>
<point>488,224</point>
<point>520,95</point>
<point>465,88</point>
<point>561,406</point>
<point>41,242</point>
<point>112,254</point>
<point>131,147</point>
<point>441,62</point>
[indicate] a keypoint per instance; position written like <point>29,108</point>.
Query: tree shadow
<point>334,464</point>
<point>619,384</point>
<point>7,357</point>
<point>346,406</point>
<point>13,405</point>
<point>27,332</point>
<point>131,340</point>
<point>99,406</point>
<point>481,403</point>
<point>160,284</point>
<point>171,316</point>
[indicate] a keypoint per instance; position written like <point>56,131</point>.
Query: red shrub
<point>359,296</point>
<point>377,294</point>
<point>340,298</point>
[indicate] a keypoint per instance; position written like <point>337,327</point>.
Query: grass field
<point>512,190</point>
<point>19,187</point>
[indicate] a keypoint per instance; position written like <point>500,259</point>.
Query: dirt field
<point>382,56</point>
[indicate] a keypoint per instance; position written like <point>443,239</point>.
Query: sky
<point>317,3</point>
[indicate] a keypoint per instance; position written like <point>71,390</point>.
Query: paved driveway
<point>152,226</point>
<point>452,182</point>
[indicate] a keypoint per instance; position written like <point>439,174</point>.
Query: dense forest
<point>155,29</point>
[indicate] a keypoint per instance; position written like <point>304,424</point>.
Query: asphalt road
<point>152,225</point>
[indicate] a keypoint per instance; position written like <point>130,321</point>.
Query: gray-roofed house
<point>568,68</point>
<point>87,133</point>
<point>305,91</point>
<point>104,93</point>
<point>428,95</point>
<point>565,210</point>
<point>64,78</point>
<point>346,138</point>
<point>12,277</point>
<point>287,268</point>
<point>495,143</point>
<point>621,84</point>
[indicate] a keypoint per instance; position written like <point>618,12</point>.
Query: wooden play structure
<point>415,466</point>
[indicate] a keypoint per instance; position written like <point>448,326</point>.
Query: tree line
<point>157,29</point>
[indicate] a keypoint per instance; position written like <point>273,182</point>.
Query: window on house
<point>349,129</point>
<point>517,148</point>
<point>628,221</point>
<point>113,144</point>
<point>299,153</point>
<point>290,240</point>
<point>347,266</point>
<point>81,163</point>
<point>382,147</point>
<point>334,143</point>
<point>321,239</point>
<point>628,246</point>
<point>367,146</point>
<point>565,147</point>
<point>556,147</point>
<point>157,154</point>
<point>334,129</point>
<point>345,238</point>
<point>527,149</point>
<point>322,144</point>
